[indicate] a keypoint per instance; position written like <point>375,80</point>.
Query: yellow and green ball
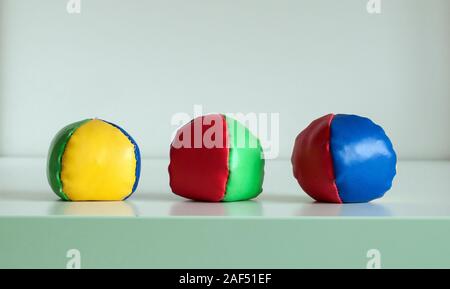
<point>93,160</point>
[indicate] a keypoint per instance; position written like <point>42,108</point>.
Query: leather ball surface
<point>344,159</point>
<point>93,160</point>
<point>215,158</point>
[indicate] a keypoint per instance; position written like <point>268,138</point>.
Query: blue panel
<point>363,158</point>
<point>137,154</point>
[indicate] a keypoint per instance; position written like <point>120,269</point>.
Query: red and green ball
<point>230,170</point>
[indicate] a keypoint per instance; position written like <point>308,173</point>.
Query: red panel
<point>312,161</point>
<point>198,171</point>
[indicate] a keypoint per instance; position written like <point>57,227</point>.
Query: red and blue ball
<point>344,159</point>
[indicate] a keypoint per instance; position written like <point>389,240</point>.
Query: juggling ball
<point>93,160</point>
<point>216,158</point>
<point>344,159</point>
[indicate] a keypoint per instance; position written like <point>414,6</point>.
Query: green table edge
<point>224,242</point>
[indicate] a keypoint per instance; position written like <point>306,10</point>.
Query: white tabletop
<point>421,189</point>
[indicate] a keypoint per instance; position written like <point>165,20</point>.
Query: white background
<point>136,63</point>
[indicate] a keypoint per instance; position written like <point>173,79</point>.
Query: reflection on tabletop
<point>118,208</point>
<point>349,210</point>
<point>191,208</point>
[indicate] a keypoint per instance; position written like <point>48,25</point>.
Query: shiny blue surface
<point>364,160</point>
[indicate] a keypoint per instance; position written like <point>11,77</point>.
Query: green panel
<point>221,242</point>
<point>55,154</point>
<point>246,163</point>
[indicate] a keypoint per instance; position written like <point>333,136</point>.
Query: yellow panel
<point>98,163</point>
